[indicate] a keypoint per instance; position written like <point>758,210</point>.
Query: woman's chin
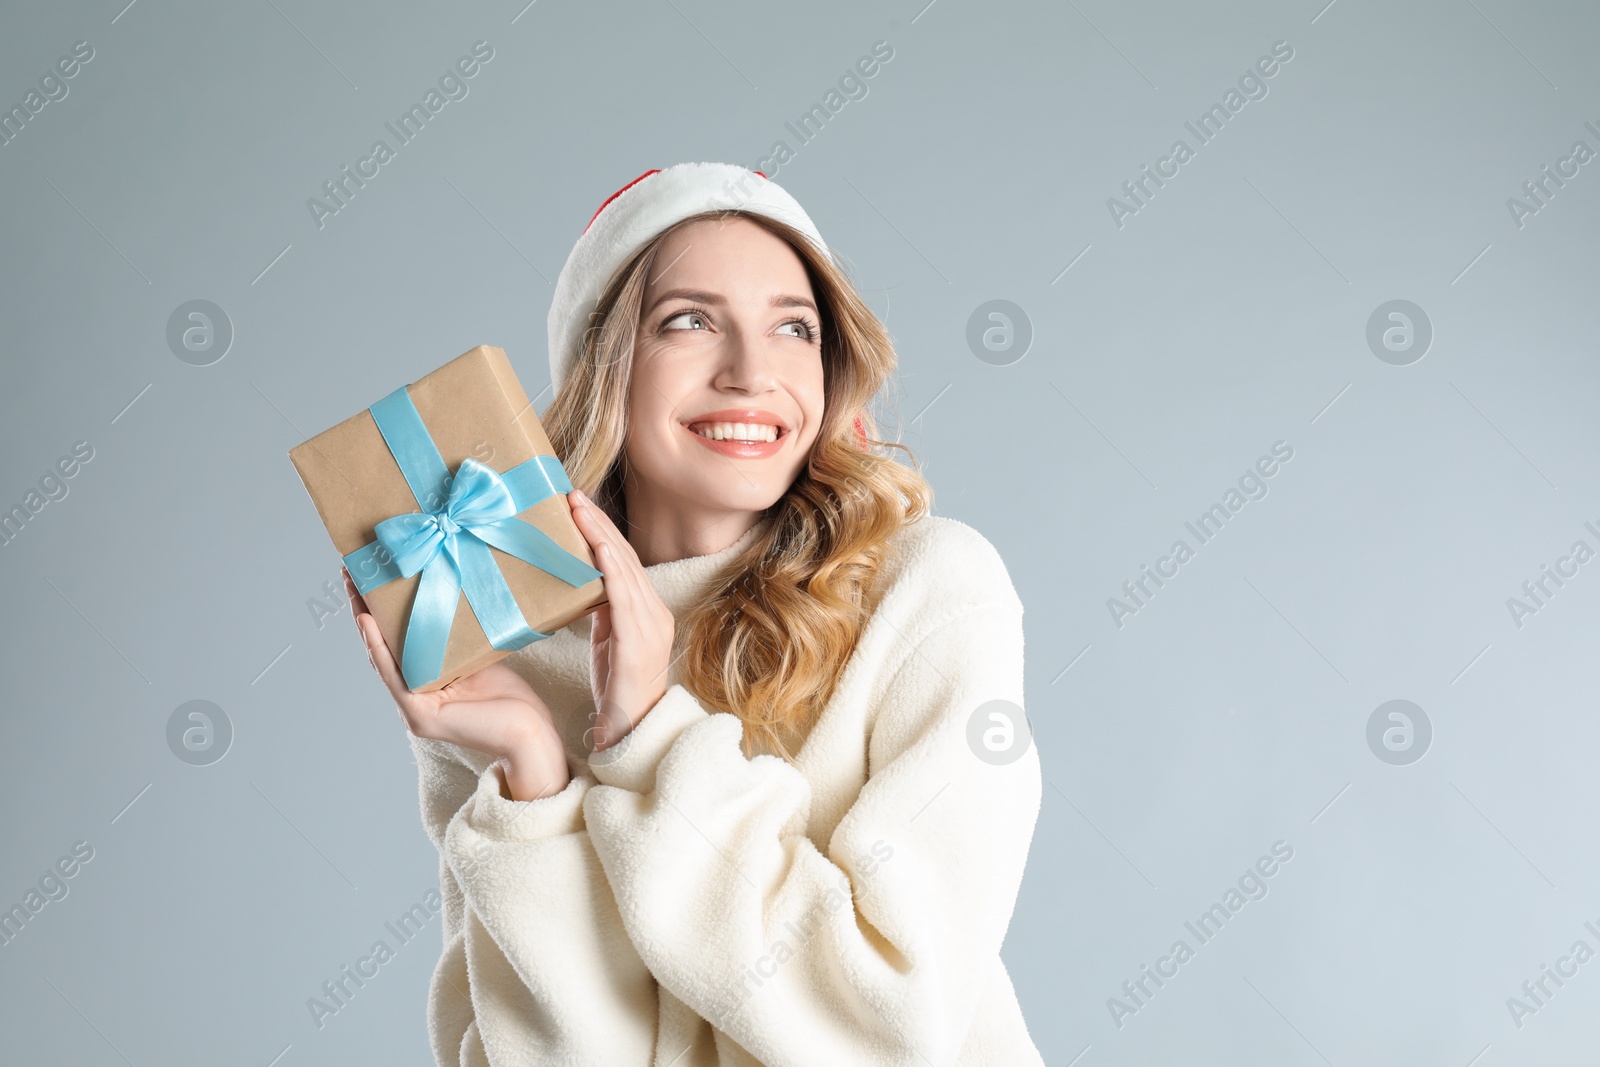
<point>718,481</point>
<point>727,491</point>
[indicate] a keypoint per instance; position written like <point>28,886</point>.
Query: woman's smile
<point>747,433</point>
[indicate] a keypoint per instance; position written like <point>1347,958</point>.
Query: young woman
<point>741,814</point>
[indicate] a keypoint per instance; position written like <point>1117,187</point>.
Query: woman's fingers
<point>603,535</point>
<point>626,560</point>
<point>382,659</point>
<point>577,500</point>
<point>358,603</point>
<point>597,526</point>
<point>632,633</point>
<point>639,617</point>
<point>599,650</point>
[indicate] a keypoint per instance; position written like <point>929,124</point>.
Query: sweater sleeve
<point>876,950</point>
<point>532,936</point>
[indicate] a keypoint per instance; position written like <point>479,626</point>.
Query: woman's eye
<point>803,329</point>
<point>682,315</point>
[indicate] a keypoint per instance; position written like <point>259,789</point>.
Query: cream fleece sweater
<point>680,905</point>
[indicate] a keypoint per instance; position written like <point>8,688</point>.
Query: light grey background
<point>1229,313</point>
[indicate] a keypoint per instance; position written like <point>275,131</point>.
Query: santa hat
<point>637,212</point>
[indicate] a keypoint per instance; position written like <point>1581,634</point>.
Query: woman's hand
<point>494,711</point>
<point>631,636</point>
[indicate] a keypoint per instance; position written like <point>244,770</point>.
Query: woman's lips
<point>743,450</point>
<point>740,449</point>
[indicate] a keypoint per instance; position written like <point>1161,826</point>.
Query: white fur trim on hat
<point>637,213</point>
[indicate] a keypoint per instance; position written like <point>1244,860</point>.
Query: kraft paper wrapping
<point>474,407</point>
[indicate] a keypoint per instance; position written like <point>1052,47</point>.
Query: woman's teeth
<point>736,431</point>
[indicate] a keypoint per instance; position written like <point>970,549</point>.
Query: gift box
<point>449,508</point>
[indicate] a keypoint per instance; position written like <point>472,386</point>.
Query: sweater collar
<point>681,583</point>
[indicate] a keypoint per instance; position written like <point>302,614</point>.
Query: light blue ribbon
<point>448,541</point>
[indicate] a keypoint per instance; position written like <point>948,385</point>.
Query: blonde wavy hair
<point>769,643</point>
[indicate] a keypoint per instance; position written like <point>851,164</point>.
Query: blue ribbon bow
<point>448,542</point>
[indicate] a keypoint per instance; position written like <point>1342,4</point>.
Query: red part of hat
<point>618,193</point>
<point>630,185</point>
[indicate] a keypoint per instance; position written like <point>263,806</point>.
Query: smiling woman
<point>662,830</point>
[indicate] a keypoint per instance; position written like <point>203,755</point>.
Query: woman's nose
<point>746,363</point>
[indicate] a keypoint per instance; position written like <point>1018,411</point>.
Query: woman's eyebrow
<point>701,296</point>
<point>788,301</point>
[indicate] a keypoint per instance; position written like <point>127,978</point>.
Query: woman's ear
<point>861,433</point>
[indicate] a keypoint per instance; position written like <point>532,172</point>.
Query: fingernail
<point>578,495</point>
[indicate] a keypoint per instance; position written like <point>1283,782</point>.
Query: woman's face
<point>726,396</point>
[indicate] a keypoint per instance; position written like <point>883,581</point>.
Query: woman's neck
<point>661,534</point>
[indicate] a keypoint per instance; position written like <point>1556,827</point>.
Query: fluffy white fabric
<point>679,904</point>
